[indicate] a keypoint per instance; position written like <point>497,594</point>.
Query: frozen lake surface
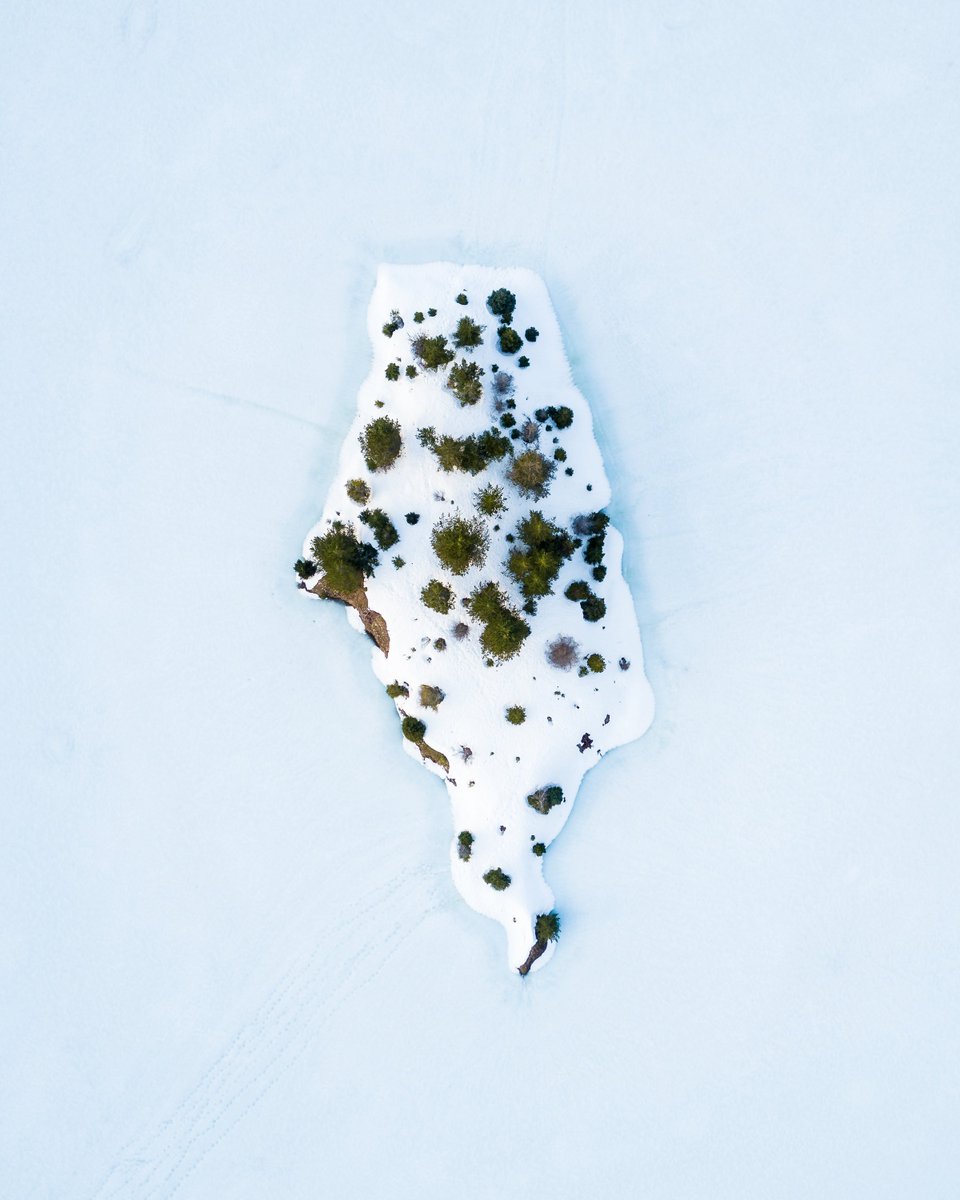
<point>233,960</point>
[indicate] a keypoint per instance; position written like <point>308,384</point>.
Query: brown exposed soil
<point>535,951</point>
<point>373,621</point>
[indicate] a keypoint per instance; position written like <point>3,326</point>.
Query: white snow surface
<point>506,762</point>
<point>232,960</point>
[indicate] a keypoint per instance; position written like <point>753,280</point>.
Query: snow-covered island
<point>466,532</point>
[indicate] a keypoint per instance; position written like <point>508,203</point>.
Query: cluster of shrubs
<point>343,559</point>
<point>464,381</point>
<point>593,526</point>
<point>468,334</point>
<point>502,303</point>
<point>383,529</point>
<point>413,729</point>
<point>392,372</point>
<point>381,444</point>
<point>523,361</point>
<point>460,543</point>
<point>472,454</point>
<point>431,352</point>
<point>532,334</point>
<point>562,417</point>
<point>504,630</point>
<point>465,845</point>
<point>437,596</point>
<point>593,607</point>
<point>531,473</point>
<point>544,548</point>
<point>539,849</point>
<point>545,798</point>
<point>498,879</point>
<point>305,567</point>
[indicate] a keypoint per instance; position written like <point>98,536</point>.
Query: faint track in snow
<point>156,1164</point>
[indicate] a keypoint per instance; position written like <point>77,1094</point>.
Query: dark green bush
<point>381,443</point>
<point>392,372</point>
<point>504,630</point>
<point>547,927</point>
<point>593,609</point>
<point>462,298</point>
<point>343,558</point>
<point>502,303</point>
<point>539,849</point>
<point>545,798</point>
<point>397,689</point>
<point>438,596</point>
<point>413,729</point>
<point>593,555</point>
<point>508,420</point>
<point>463,380</point>
<point>596,663</point>
<point>531,473</point>
<point>523,361</point>
<point>489,500</point>
<point>460,543</point>
<point>305,567</point>
<point>412,518</point>
<point>383,529</point>
<point>431,353</point>
<point>411,371</point>
<point>578,590</point>
<point>560,454</point>
<point>509,340</point>
<point>516,714</point>
<point>599,574</point>
<point>358,491</point>
<point>568,471</point>
<point>430,696</point>
<point>544,548</point>
<point>465,845</point>
<point>468,334</point>
<point>532,334</point>
<point>431,312</point>
<point>497,879</point>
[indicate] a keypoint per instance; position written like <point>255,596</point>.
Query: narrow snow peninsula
<point>466,532</point>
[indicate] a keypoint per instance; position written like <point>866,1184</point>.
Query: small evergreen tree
<point>460,543</point>
<point>596,663</point>
<point>502,303</point>
<point>438,596</point>
<point>462,299</point>
<point>499,880</point>
<point>547,927</point>
<point>463,380</point>
<point>509,340</point>
<point>468,334</point>
<point>392,372</point>
<point>381,444</point>
<point>413,729</point>
<point>383,529</point>
<point>305,567</point>
<point>593,609</point>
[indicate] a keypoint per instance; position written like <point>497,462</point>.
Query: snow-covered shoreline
<point>494,766</point>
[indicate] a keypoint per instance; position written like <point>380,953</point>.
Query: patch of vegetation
<point>431,312</point>
<point>381,443</point>
<point>499,880</point>
<point>392,372</point>
<point>563,652</point>
<point>343,558</point>
<point>547,927</point>
<point>599,573</point>
<point>431,353</point>
<point>490,501</point>
<point>398,562</point>
<point>539,849</point>
<point>358,491</point>
<point>508,420</point>
<point>412,518</point>
<point>438,596</point>
<point>395,323</point>
<point>516,714</point>
<point>414,730</point>
<point>462,298</point>
<point>593,609</point>
<point>532,334</point>
<point>396,689</point>
<point>523,361</point>
<point>508,340</point>
<point>418,318</point>
<point>531,473</point>
<point>460,543</point>
<point>560,454</point>
<point>472,454</point>
<point>440,644</point>
<point>465,845</point>
<point>411,371</point>
<point>502,303</point>
<point>562,417</point>
<point>596,663</point>
<point>536,562</point>
<point>463,380</point>
<point>578,590</point>
<point>430,696</point>
<point>383,529</point>
<point>545,798</point>
<point>305,567</point>
<point>504,630</point>
<point>468,334</point>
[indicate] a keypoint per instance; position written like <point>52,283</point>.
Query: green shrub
<point>343,558</point>
<point>381,444</point>
<point>383,529</point>
<point>358,491</point>
<point>437,596</point>
<point>504,630</point>
<point>440,644</point>
<point>418,318</point>
<point>531,473</point>
<point>568,471</point>
<point>599,574</point>
<point>596,663</point>
<point>305,567</point>
<point>462,298</point>
<point>583,672</point>
<point>516,714</point>
<point>472,454</point>
<point>431,353</point>
<point>539,849</point>
<point>463,380</point>
<point>397,689</point>
<point>502,303</point>
<point>545,798</point>
<point>532,334</point>
<point>412,518</point>
<point>523,361</point>
<point>593,555</point>
<point>392,372</point>
<point>398,562</point>
<point>465,845</point>
<point>395,323</point>
<point>508,420</point>
<point>468,334</point>
<point>508,340</point>
<point>536,562</point>
<point>413,729</point>
<point>460,543</point>
<point>430,696</point>
<point>560,454</point>
<point>593,609</point>
<point>547,927</point>
<point>411,371</point>
<point>431,312</point>
<point>498,880</point>
<point>490,501</point>
<point>578,590</point>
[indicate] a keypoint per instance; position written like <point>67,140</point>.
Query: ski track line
<point>155,1164</point>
